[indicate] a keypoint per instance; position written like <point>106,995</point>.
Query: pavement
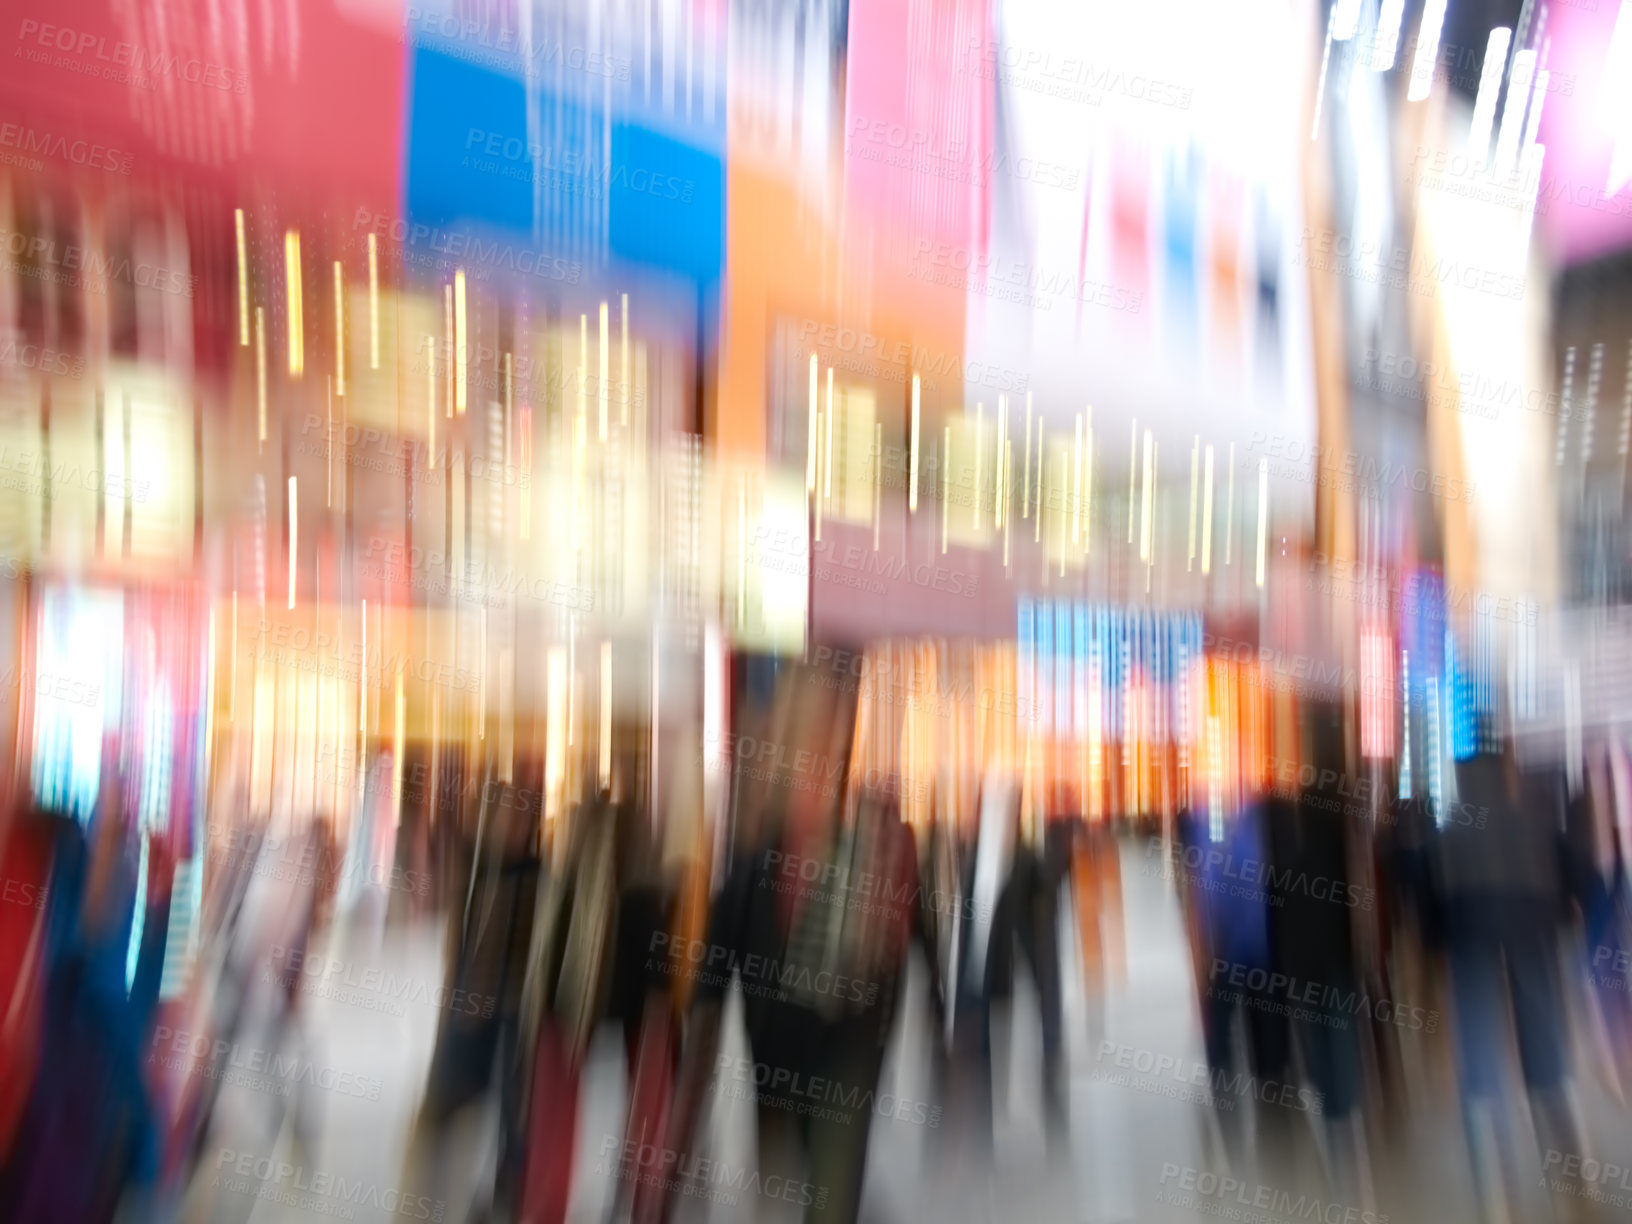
<point>330,1138</point>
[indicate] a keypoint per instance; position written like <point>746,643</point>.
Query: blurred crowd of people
<point>1315,922</point>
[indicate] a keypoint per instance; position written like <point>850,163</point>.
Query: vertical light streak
<point>1065,502</point>
<point>1422,66</point>
<point>373,303</point>
<point>1512,126</point>
<point>1195,474</point>
<point>1320,87</point>
<point>623,363</point>
<point>946,483</point>
<point>362,674</point>
<point>555,730</point>
<point>509,406</point>
<point>605,371</point>
<point>1088,486</point>
<point>243,279</point>
<point>827,467</point>
<point>1484,103</point>
<point>507,715</point>
<point>232,697</point>
<point>447,343</point>
<point>1133,469</point>
<point>742,551</point>
<point>1037,509</point>
<point>339,330</point>
<point>878,479</point>
<point>572,681</point>
<point>461,345</point>
<point>1207,514</point>
<point>980,438</point>
<point>328,448</point>
<point>1025,487</point>
<point>1345,19</point>
<point>1008,483</point>
<point>1000,493</point>
<point>1387,42</point>
<point>1405,724</point>
<point>1155,466</point>
<point>606,714</point>
<point>583,367</point>
<point>1076,500</point>
<point>430,398</point>
<point>260,374</point>
<point>297,323</point>
<point>526,427</point>
<point>1532,125</point>
<point>294,540</point>
<point>912,480</point>
<point>398,742</point>
<point>810,446</point>
<point>1615,100</point>
<point>1229,510</point>
<point>1145,499</point>
<point>1263,517</point>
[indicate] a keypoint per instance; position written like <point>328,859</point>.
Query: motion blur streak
<point>546,680</point>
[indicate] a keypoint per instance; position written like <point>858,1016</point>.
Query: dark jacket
<point>1500,859</point>
<point>1313,898</point>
